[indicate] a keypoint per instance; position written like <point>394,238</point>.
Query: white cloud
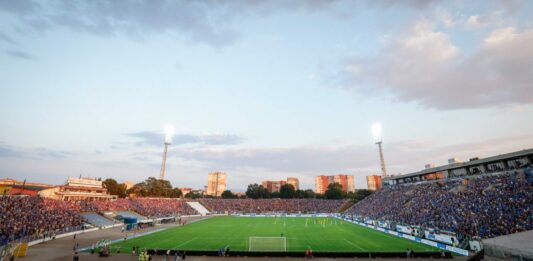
<point>425,67</point>
<point>492,20</point>
<point>473,21</point>
<point>501,36</point>
<point>435,46</point>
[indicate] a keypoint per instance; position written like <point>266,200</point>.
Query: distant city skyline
<point>259,90</point>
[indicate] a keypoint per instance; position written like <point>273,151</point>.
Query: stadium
<point>475,208</point>
<point>165,130</point>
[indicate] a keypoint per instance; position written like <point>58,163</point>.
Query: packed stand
<point>486,206</point>
<point>161,207</point>
<point>273,205</point>
<point>33,216</point>
<point>148,207</point>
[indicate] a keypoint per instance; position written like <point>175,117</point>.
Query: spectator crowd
<point>161,207</point>
<point>148,207</point>
<point>273,205</point>
<point>25,216</point>
<point>484,206</point>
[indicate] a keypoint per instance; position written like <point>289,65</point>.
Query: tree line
<point>153,187</point>
<point>334,191</point>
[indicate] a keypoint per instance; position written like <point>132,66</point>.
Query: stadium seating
<point>32,216</point>
<point>161,207</point>
<point>273,205</point>
<point>484,206</point>
<point>97,220</point>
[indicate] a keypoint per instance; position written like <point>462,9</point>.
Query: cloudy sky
<point>259,89</point>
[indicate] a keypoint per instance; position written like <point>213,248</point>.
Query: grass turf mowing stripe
<point>319,234</point>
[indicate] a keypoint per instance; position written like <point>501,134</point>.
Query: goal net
<point>267,244</point>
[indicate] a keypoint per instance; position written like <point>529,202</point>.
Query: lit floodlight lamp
<point>376,131</point>
<point>169,133</point>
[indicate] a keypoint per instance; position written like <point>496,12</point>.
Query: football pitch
<point>290,234</point>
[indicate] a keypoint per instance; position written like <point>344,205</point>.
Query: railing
<point>392,225</point>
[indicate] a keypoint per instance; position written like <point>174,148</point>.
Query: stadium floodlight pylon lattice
<point>267,244</point>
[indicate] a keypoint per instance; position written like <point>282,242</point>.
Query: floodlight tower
<point>169,132</point>
<point>376,132</point>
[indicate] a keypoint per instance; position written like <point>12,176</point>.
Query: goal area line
<point>267,244</point>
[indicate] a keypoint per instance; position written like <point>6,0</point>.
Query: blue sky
<point>260,90</point>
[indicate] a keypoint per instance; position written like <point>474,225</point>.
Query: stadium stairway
<point>97,220</point>
<point>346,206</point>
<point>130,214</point>
<point>199,208</point>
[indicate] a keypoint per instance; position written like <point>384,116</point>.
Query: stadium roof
<point>518,244</point>
<point>471,163</point>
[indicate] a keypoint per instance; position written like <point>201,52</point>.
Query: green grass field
<point>319,234</point>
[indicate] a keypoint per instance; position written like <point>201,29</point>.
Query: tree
<point>176,193</point>
<point>152,187</point>
<point>114,188</point>
<point>158,187</point>
<point>287,191</point>
<point>138,189</point>
<point>334,191</point>
<point>257,191</point>
<point>309,193</point>
<point>360,194</point>
<point>193,195</point>
<point>227,194</point>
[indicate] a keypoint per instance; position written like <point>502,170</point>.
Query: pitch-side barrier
<point>442,246</point>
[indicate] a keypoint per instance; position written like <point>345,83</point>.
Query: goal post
<point>267,244</point>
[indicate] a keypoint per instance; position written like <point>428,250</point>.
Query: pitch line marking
<point>185,242</point>
<point>351,243</point>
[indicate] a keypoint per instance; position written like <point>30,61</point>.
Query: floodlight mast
<point>164,164</point>
<point>382,159</point>
<point>169,132</point>
<point>376,132</point>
